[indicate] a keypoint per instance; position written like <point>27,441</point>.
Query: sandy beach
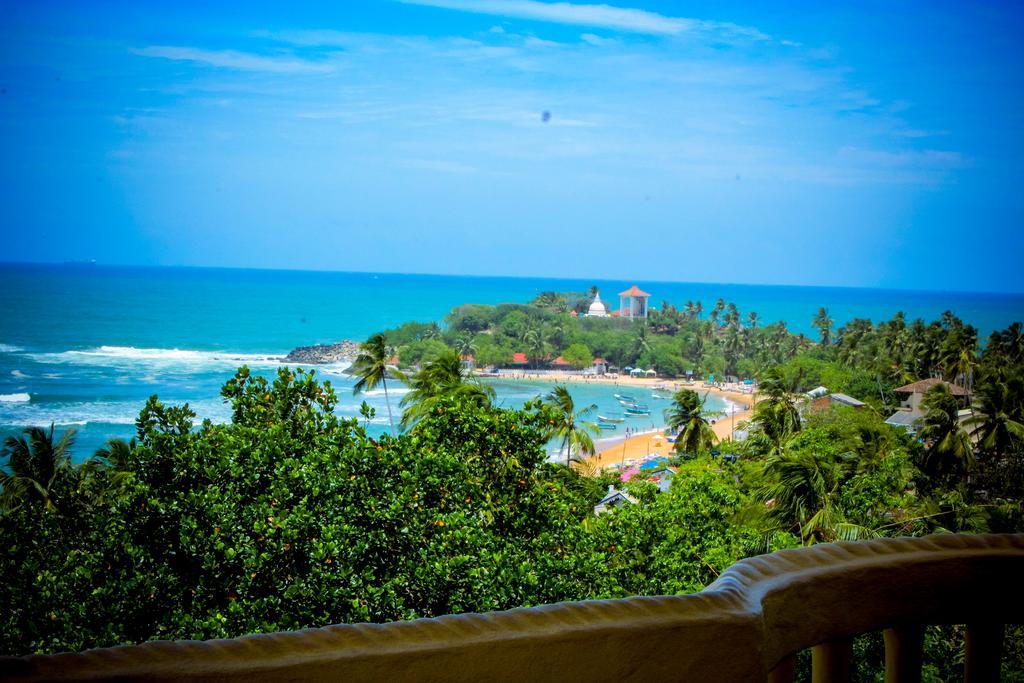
<point>614,451</point>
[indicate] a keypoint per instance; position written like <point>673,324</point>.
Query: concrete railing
<point>747,626</point>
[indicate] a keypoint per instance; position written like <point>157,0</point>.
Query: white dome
<point>597,309</point>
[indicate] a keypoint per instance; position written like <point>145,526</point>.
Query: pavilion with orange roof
<point>633,303</point>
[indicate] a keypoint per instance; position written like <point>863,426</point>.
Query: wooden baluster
<point>903,650</point>
<point>832,662</point>
<point>784,671</point>
<point>984,646</point>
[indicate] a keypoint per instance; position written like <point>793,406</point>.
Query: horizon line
<point>89,263</point>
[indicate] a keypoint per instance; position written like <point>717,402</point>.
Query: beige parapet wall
<point>740,628</point>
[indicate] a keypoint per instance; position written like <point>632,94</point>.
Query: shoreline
<point>732,395</point>
<point>614,451</point>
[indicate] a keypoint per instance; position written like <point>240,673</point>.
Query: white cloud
<point>596,40</point>
<point>232,59</point>
<point>601,16</point>
<point>534,41</point>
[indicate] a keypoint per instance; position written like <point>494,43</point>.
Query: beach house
<point>835,399</point>
<point>911,411</point>
<point>613,499</point>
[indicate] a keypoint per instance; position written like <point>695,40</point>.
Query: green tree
<point>371,368</point>
<point>537,344</point>
<point>959,355</point>
<point>949,450</point>
<point>578,355</point>
<point>776,418</point>
<point>110,469</point>
<point>686,415</point>
<point>804,490</point>
<point>641,342</point>
<point>997,421</point>
<point>465,345</point>
<point>824,325</point>
<point>35,467</point>
<point>441,377</point>
<point>717,310</point>
<point>569,425</point>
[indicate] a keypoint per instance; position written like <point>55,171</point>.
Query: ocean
<point>84,345</point>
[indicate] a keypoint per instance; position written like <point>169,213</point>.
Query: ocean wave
<point>125,412</point>
<point>99,412</point>
<point>18,373</point>
<point>156,357</point>
<point>10,348</point>
<point>15,398</point>
<point>392,392</point>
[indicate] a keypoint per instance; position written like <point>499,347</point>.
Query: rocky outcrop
<point>345,350</point>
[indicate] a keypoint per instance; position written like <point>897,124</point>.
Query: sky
<point>873,144</point>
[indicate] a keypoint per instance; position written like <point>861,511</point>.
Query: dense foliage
<point>672,341</point>
<point>289,517</point>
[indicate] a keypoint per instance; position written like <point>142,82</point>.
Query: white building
<point>597,308</point>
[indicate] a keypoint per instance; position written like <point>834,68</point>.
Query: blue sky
<point>861,144</point>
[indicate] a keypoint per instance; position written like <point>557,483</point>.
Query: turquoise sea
<point>84,345</point>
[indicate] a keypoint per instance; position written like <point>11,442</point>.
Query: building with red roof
<point>633,303</point>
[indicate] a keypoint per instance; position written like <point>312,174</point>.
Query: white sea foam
<point>110,356</point>
<point>15,398</point>
<point>99,412</point>
<point>10,348</point>
<point>18,373</point>
<point>392,392</point>
<point>125,412</point>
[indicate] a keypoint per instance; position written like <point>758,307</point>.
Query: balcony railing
<point>747,626</point>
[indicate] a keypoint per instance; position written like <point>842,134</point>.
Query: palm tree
<point>571,426</point>
<point>959,355</point>
<point>733,347</point>
<point>536,340</point>
<point>686,415</point>
<point>717,310</point>
<point>949,446</point>
<point>441,377</point>
<point>433,331</point>
<point>752,319</point>
<point>698,308</point>
<point>732,315</point>
<point>690,310</point>
<point>464,345</point>
<point>641,342</point>
<point>776,418</point>
<point>997,424</point>
<point>111,466</point>
<point>824,325</point>
<point>804,493</point>
<point>35,466</point>
<point>371,368</point>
